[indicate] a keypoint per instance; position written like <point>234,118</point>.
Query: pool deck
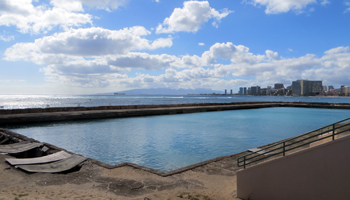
<point>21,116</point>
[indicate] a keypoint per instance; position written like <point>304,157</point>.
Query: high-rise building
<point>325,88</point>
<point>242,91</point>
<point>255,90</point>
<point>279,86</point>
<point>306,87</point>
<point>344,89</point>
<point>268,90</point>
<point>263,91</point>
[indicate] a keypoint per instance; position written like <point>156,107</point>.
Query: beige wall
<point>320,172</point>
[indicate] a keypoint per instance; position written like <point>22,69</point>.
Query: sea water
<point>172,141</point>
<point>43,101</point>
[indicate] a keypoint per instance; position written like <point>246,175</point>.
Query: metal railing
<point>300,141</point>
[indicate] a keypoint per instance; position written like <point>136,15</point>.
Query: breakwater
<point>35,115</point>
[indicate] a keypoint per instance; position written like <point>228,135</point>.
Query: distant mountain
<point>166,91</point>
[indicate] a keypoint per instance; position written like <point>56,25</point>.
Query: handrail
<point>290,144</point>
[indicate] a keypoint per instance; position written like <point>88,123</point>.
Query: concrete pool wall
<point>34,115</point>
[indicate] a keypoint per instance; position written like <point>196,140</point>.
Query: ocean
<point>172,141</point>
<point>43,101</point>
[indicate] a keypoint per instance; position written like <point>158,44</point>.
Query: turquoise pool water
<point>172,141</point>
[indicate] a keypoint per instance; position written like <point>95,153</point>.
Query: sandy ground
<point>214,181</point>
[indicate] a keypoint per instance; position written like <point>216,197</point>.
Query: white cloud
<point>28,18</point>
<point>70,5</point>
<point>348,9</point>
<point>92,42</point>
<point>336,50</point>
<point>161,42</point>
<point>201,44</point>
<point>325,2</point>
<point>191,17</point>
<point>192,61</point>
<point>272,55</point>
<point>229,51</point>
<point>145,61</point>
<point>282,6</point>
<point>6,38</point>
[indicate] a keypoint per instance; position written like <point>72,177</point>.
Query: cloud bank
<point>96,57</point>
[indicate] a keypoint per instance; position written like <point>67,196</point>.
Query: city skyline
<point>88,47</point>
<point>297,88</point>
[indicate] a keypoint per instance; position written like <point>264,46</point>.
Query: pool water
<point>169,142</point>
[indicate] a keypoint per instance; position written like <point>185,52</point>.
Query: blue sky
<point>87,46</point>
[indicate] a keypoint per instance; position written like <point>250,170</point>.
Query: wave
<point>174,97</point>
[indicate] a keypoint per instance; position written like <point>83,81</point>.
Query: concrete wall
<point>320,172</point>
<point>35,115</point>
<point>125,107</point>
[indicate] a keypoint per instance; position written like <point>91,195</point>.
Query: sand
<point>215,181</point>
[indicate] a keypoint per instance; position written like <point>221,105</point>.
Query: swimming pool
<point>172,141</point>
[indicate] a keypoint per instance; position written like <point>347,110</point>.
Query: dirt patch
<point>95,182</point>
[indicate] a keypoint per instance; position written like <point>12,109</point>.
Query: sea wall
<point>80,108</point>
<point>34,115</point>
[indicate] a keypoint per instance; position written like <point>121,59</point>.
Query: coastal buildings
<point>345,90</point>
<point>306,87</point>
<point>298,88</point>
<point>226,92</point>
<point>255,90</point>
<point>327,88</point>
<point>268,90</point>
<point>242,91</point>
<point>279,86</point>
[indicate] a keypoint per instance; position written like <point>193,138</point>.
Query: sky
<point>89,46</point>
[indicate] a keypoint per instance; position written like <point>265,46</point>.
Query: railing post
<point>284,148</point>
<point>333,131</point>
<point>244,162</point>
